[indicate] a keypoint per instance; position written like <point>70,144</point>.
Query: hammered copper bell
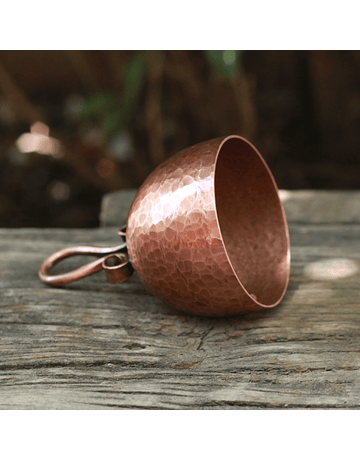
<point>206,233</point>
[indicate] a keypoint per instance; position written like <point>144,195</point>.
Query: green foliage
<point>114,111</point>
<point>99,104</point>
<point>224,63</point>
<point>135,73</point>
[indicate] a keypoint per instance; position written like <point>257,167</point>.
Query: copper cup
<point>207,233</point>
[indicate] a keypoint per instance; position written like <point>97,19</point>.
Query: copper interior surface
<point>251,221</point>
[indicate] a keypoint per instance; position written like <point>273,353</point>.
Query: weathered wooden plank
<point>115,208</point>
<point>314,206</point>
<point>93,345</point>
<point>323,206</point>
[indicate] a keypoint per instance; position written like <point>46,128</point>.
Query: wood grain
<point>92,345</point>
<point>320,206</point>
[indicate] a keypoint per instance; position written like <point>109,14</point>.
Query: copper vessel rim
<point>283,220</point>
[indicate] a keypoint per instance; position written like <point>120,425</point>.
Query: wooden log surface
<point>320,206</point>
<point>92,345</point>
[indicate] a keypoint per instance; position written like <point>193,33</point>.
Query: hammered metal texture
<point>206,251</point>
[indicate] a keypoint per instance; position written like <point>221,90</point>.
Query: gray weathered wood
<point>92,345</point>
<point>115,208</point>
<point>320,206</point>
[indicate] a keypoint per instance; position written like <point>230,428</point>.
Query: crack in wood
<point>206,333</point>
<point>303,354</point>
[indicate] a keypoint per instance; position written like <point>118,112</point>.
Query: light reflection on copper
<point>167,205</point>
<point>207,234</point>
<point>225,251</point>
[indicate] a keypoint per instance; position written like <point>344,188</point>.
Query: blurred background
<point>75,125</point>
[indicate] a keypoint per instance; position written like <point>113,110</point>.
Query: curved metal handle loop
<point>118,272</point>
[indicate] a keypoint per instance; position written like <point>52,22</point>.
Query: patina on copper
<point>207,233</point>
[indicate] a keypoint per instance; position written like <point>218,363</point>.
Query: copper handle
<point>117,272</point>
